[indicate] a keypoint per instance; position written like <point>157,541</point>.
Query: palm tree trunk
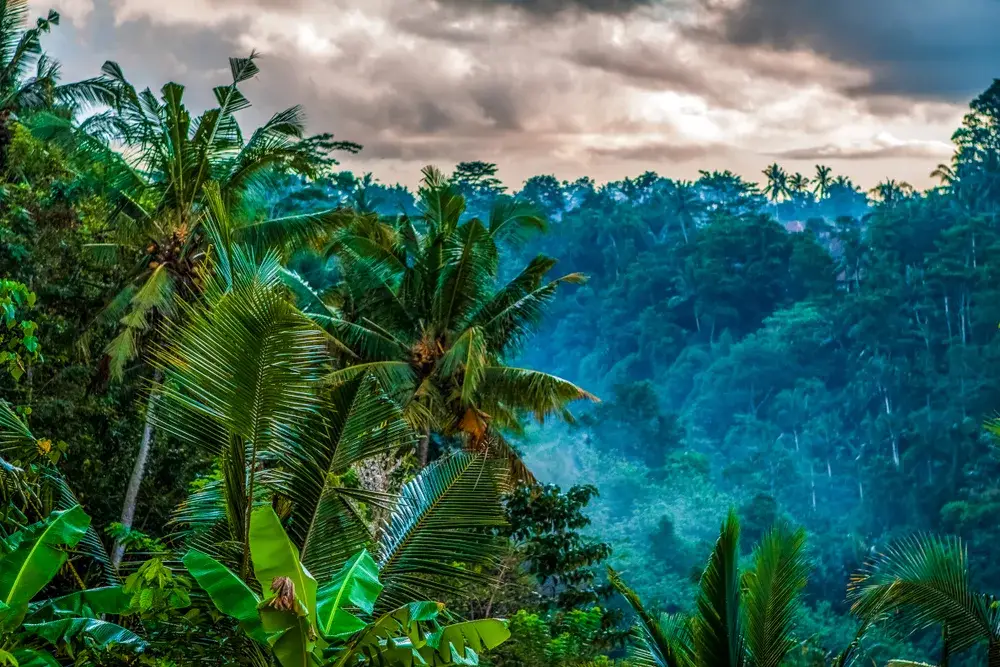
<point>424,448</point>
<point>139,469</point>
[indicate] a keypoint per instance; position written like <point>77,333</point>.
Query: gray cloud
<point>553,7</point>
<point>874,151</point>
<point>928,48</point>
<point>644,64</point>
<point>657,152</point>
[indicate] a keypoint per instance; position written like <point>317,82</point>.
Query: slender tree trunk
<point>424,448</point>
<point>947,317</point>
<point>245,565</point>
<point>812,481</point>
<point>139,469</point>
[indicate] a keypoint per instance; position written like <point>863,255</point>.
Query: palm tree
<point>741,619</point>
<point>684,204</point>
<point>923,582</point>
<point>777,183</point>
<point>156,166</point>
<point>891,191</point>
<point>245,382</point>
<point>29,80</point>
<point>798,183</point>
<point>944,173</point>
<point>822,181</point>
<point>419,307</point>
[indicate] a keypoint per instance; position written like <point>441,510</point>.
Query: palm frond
<point>363,423</point>
<point>718,627</point>
<point>438,533</point>
<point>514,313</point>
<point>659,644</point>
<point>291,231</point>
<point>532,391</point>
<point>466,360</point>
<point>245,368</point>
<point>512,220</point>
<point>923,582</point>
<point>470,260</point>
<point>772,592</point>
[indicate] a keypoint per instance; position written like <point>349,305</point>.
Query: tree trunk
<point>6,137</point>
<point>139,469</point>
<point>424,448</point>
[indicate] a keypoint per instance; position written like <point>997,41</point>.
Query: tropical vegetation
<point>259,411</point>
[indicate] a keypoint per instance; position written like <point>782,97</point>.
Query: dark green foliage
<point>545,523</point>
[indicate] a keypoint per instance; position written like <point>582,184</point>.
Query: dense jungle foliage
<point>259,411</point>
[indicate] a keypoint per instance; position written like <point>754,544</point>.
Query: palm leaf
<point>659,645</point>
<point>923,582</point>
<point>363,423</point>
<point>718,628</point>
<point>439,526</point>
<point>772,591</point>
<point>532,391</point>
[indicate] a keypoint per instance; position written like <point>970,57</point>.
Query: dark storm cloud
<point>938,49</point>
<point>652,67</point>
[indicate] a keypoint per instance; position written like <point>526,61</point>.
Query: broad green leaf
<point>103,634</point>
<point>275,556</point>
<point>458,644</point>
<point>31,657</point>
<point>38,553</point>
<point>471,636</point>
<point>414,622</point>
<point>228,592</point>
<point>11,617</point>
<point>293,648</point>
<point>89,603</point>
<point>357,585</point>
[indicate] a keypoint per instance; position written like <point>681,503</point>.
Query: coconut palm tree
<point>156,164</point>
<point>891,191</point>
<point>923,582</point>
<point>798,184</point>
<point>741,619</point>
<point>777,183</point>
<point>420,307</point>
<point>822,181</point>
<point>29,80</point>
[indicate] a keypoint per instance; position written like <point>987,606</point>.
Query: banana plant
<point>307,625</point>
<point>31,558</point>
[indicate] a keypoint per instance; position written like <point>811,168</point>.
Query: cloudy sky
<point>605,88</point>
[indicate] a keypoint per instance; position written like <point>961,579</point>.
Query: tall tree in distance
<point>777,183</point>
<point>798,184</point>
<point>822,181</point>
<point>684,205</point>
<point>156,164</point>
